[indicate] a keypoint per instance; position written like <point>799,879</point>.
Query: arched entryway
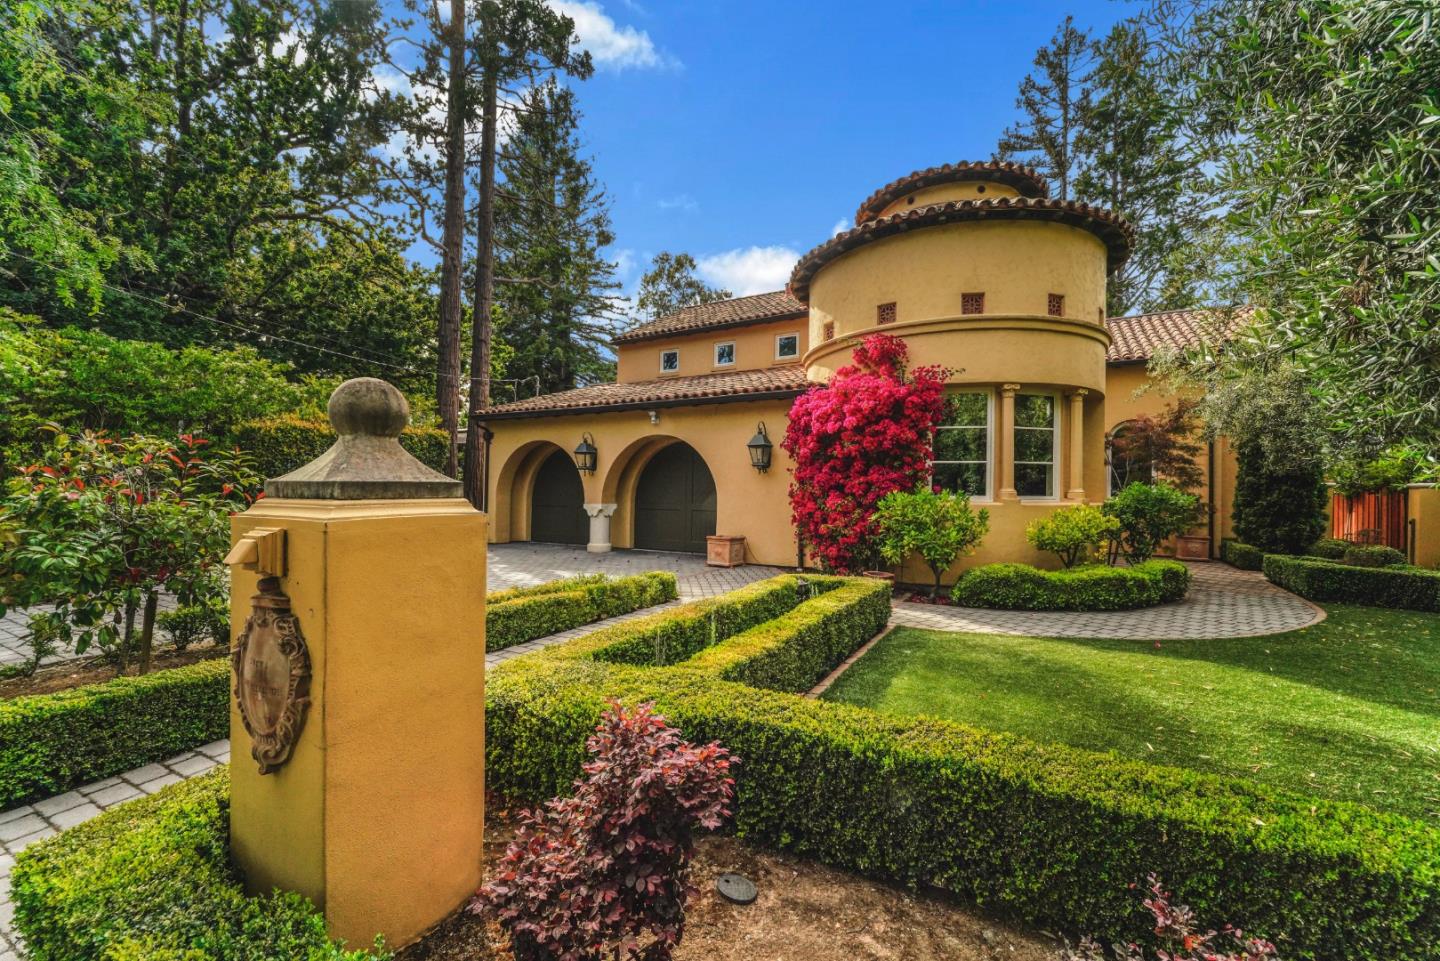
<point>557,514</point>
<point>675,502</point>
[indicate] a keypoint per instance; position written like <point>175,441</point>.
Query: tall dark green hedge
<point>1279,513</point>
<point>281,444</point>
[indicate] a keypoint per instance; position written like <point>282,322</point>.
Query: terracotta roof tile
<point>1024,179</point>
<point>735,312</point>
<point>1112,229</point>
<point>1138,337</point>
<point>784,381</point>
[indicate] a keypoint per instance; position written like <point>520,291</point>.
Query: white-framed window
<point>787,346</point>
<point>670,361</point>
<point>963,444</point>
<point>1037,434</point>
<point>725,353</point>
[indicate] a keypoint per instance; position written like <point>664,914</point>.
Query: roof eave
<point>645,405</point>
<point>639,337</point>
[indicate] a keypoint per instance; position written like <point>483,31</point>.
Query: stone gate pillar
<point>357,716</point>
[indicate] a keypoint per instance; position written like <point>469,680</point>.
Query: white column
<point>600,515</point>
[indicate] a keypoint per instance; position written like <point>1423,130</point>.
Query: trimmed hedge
<point>278,445</point>
<point>1373,555</point>
<point>524,614</point>
<point>1330,548</point>
<point>1243,556</point>
<point>1020,587</point>
<point>1052,834</point>
<point>1407,588</point>
<point>50,743</point>
<point>151,881</point>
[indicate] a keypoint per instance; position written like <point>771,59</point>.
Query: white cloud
<point>841,225</point>
<point>682,202</point>
<point>749,270</point>
<point>610,44</point>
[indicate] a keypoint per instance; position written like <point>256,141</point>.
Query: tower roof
<point>1024,179</point>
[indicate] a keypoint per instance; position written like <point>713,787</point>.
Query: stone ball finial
<point>368,406</point>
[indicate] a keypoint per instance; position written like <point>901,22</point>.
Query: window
<point>885,313</point>
<point>1130,462</point>
<point>1035,445</point>
<point>787,346</point>
<point>962,445</point>
<point>725,353</point>
<point>972,303</point>
<point>828,330</point>
<point>669,361</point>
<point>1057,305</point>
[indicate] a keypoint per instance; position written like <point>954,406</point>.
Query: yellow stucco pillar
<point>1075,456</point>
<point>357,721</point>
<point>1005,449</point>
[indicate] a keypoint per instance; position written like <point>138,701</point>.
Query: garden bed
<point>78,672</point>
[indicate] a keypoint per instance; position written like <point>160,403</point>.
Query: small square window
<point>787,346</point>
<point>669,361</point>
<point>828,331</point>
<point>973,303</point>
<point>725,354</point>
<point>885,313</point>
<point>1056,305</point>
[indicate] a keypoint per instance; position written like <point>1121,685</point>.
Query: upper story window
<point>1057,305</point>
<point>962,445</point>
<point>669,361</point>
<point>725,353</point>
<point>1035,434</point>
<point>885,313</point>
<point>972,303</point>
<point>787,346</point>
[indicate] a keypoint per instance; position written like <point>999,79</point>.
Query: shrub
<point>1373,555</point>
<point>1280,512</point>
<point>1240,555</point>
<point>1407,588</point>
<point>196,623</point>
<point>610,865</point>
<point>1330,548</point>
<point>151,881</point>
<point>516,616</point>
<point>1148,514</point>
<point>1050,834</point>
<point>278,445</point>
<point>50,743</point>
<point>937,525</point>
<point>1072,534</point>
<point>1180,937</point>
<point>1096,587</point>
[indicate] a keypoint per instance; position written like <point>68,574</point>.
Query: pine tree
<point>1054,101</point>
<point>670,285</point>
<point>557,292</point>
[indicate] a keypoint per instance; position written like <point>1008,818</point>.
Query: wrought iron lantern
<point>586,455</point>
<point>760,449</point>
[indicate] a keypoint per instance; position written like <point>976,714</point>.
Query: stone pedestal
<point>377,812</point>
<point>599,515</point>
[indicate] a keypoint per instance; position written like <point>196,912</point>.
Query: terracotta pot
<point>1192,548</point>
<point>725,550</point>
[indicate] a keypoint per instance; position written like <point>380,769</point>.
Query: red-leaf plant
<point>604,873</point>
<point>866,434</point>
<point>1176,929</point>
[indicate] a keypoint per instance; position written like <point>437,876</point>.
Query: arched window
<point>1128,457</point>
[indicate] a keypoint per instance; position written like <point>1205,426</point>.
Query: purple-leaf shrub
<point>1180,941</point>
<point>604,873</point>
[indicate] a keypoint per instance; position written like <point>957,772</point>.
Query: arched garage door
<point>675,502</point>
<point>556,514</point>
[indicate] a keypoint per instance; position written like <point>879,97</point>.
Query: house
<point>973,265</point>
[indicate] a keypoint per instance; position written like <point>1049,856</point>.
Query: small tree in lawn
<point>1073,534</point>
<point>592,876</point>
<point>866,434</point>
<point>939,526</point>
<point>1148,514</point>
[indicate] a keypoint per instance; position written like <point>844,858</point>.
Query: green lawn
<point>1349,708</point>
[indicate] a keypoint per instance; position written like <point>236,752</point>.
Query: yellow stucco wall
<point>961,190</point>
<point>754,349</point>
<point>1424,509</point>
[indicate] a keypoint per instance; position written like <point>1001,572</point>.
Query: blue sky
<point>746,132</point>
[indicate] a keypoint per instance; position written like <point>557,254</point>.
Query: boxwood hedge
<point>151,881</point>
<point>1243,556</point>
<point>1409,588</point>
<point>1051,834</point>
<point>524,614</point>
<point>1094,587</point>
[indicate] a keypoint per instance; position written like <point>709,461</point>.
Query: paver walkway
<point>1223,602</point>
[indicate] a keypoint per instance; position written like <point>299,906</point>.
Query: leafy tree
<point>1278,510</point>
<point>557,290</point>
<point>1053,102</point>
<point>670,285</point>
<point>939,526</point>
<point>1160,446</point>
<point>1147,515</point>
<point>1073,534</point>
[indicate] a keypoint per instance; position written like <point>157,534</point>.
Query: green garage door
<point>556,514</point>
<point>675,502</point>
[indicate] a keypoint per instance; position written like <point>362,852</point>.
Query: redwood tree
<point>867,434</point>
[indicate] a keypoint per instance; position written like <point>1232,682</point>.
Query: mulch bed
<point>805,912</point>
<point>93,670</point>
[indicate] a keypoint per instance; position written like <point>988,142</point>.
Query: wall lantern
<point>586,455</point>
<point>760,448</point>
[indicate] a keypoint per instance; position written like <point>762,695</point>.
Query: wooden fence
<point>1380,517</point>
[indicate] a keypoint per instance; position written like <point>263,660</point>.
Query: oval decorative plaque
<point>272,677</point>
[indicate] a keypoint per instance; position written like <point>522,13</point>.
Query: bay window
<point>962,445</point>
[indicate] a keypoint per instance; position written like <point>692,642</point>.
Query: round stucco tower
<point>979,271</point>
